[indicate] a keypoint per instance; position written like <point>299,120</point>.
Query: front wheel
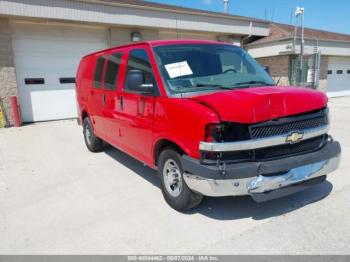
<point>174,189</point>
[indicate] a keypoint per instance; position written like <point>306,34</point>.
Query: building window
<point>329,72</point>
<point>348,71</point>
<point>339,72</point>
<point>98,72</point>
<point>67,80</point>
<point>112,69</point>
<point>34,81</point>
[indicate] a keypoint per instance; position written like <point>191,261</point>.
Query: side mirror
<point>267,69</point>
<point>135,82</point>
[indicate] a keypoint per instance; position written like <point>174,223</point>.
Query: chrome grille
<point>274,129</point>
<point>278,127</point>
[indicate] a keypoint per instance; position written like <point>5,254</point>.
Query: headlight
<point>226,132</point>
<point>214,132</point>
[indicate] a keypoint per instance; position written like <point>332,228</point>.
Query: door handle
<point>121,103</point>
<point>104,99</point>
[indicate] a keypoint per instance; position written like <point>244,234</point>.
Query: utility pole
<point>300,12</point>
<point>226,6</point>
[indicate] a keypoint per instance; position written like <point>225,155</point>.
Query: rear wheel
<point>93,143</point>
<point>174,189</point>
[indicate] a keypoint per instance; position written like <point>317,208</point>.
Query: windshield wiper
<point>254,82</point>
<point>209,85</point>
<point>205,85</point>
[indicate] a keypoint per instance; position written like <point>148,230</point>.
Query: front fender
<point>183,122</point>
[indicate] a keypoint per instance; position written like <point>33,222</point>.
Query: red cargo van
<point>208,117</point>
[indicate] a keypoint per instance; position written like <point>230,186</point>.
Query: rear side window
<point>112,70</point>
<point>98,72</point>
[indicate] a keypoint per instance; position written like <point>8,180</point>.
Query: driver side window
<point>139,60</point>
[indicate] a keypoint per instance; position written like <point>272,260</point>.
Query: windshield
<point>194,68</point>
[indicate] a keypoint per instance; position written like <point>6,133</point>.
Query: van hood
<point>258,104</point>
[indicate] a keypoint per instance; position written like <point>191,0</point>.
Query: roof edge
<point>155,43</point>
<point>257,43</point>
<point>178,10</point>
<point>253,44</point>
<point>307,28</point>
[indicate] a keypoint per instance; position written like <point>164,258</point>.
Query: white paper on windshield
<point>178,69</point>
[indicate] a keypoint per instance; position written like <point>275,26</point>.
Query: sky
<point>320,14</point>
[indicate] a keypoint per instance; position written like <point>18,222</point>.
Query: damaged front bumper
<point>263,180</point>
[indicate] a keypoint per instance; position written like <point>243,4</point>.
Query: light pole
<point>226,6</point>
<point>300,12</point>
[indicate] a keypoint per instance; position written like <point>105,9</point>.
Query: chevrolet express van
<point>208,118</point>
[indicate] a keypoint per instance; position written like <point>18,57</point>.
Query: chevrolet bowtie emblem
<point>294,137</point>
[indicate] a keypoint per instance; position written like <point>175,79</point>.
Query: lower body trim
<point>260,184</point>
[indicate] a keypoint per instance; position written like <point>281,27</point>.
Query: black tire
<point>93,143</point>
<point>186,199</point>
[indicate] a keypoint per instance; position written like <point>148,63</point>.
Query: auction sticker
<point>178,69</point>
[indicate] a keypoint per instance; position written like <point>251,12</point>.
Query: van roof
<point>160,43</point>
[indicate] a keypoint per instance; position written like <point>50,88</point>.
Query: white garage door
<point>46,60</point>
<point>338,79</point>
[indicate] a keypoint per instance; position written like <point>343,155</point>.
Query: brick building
<point>280,52</point>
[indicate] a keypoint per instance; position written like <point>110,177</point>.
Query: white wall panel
<point>120,15</point>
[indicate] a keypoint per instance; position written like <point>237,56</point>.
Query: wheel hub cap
<point>88,134</point>
<point>172,178</point>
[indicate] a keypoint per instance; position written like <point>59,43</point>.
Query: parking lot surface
<point>58,198</point>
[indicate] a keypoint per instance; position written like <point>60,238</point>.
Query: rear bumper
<point>258,179</point>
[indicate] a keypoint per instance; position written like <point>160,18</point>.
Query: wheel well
<point>84,114</point>
<point>161,145</point>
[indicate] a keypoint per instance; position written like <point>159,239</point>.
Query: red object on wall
<point>15,112</point>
